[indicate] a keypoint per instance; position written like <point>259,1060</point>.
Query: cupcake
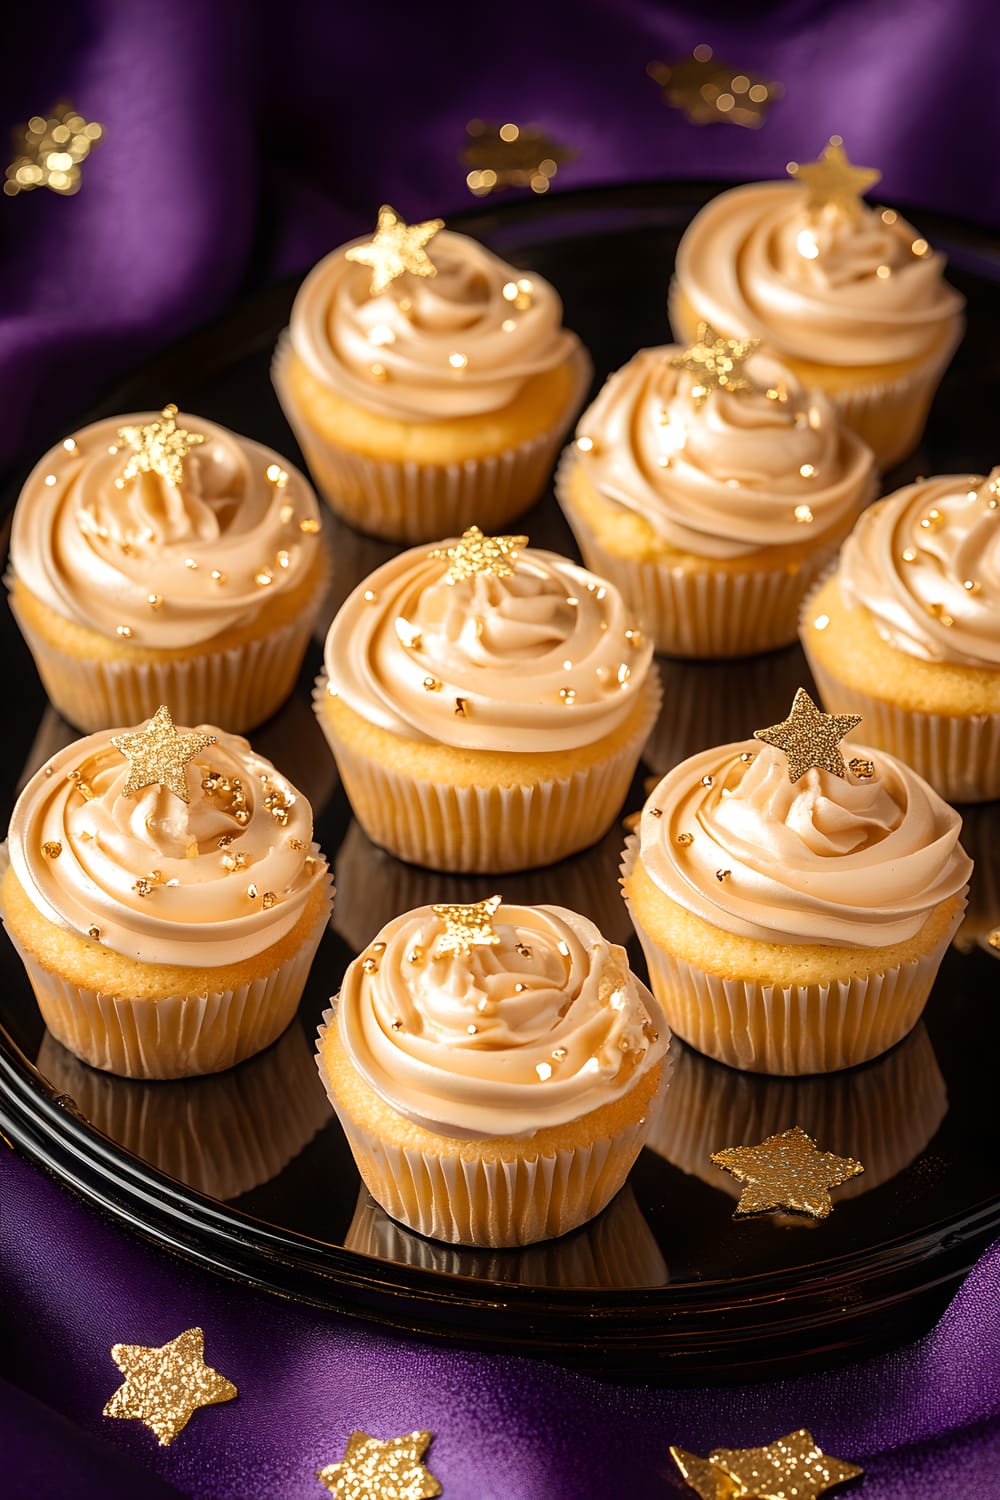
<point>794,907</point>
<point>429,383</point>
<point>161,558</point>
<point>907,631</point>
<point>712,489</point>
<point>487,704</point>
<point>851,297</point>
<point>493,1068</point>
<point>165,898</point>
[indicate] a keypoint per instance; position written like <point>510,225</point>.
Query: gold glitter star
<point>476,553</point>
<point>711,92</point>
<point>164,1387</point>
<point>704,1478</point>
<point>793,1467</point>
<point>467,927</point>
<point>375,1470</point>
<point>716,362</point>
<point>51,152</point>
<point>509,156</point>
<point>157,755</point>
<point>396,247</point>
<point>159,447</point>
<point>786,1172</point>
<point>833,179</point>
<point>810,737</point>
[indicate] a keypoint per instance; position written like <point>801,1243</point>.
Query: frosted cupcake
<point>428,382</point>
<point>487,704</point>
<point>851,297</point>
<point>907,631</point>
<point>493,1068</point>
<point>165,898</point>
<point>794,906</point>
<point>161,558</point>
<point>712,489</point>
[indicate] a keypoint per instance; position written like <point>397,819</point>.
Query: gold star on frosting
<point>476,553</point>
<point>793,1467</point>
<point>810,737</point>
<point>717,363</point>
<point>159,447</point>
<point>157,755</point>
<point>375,1470</point>
<point>51,152</point>
<point>786,1171</point>
<point>164,1387</point>
<point>395,248</point>
<point>833,179</point>
<point>467,927</point>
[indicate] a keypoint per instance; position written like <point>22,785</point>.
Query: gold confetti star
<point>51,152</point>
<point>157,755</point>
<point>833,179</point>
<point>510,156</point>
<point>165,1386</point>
<point>786,1171</point>
<point>711,92</point>
<point>397,247</point>
<point>476,553</point>
<point>467,927</point>
<point>159,447</point>
<point>707,1481</point>
<point>375,1470</point>
<point>793,1467</point>
<point>716,363</point>
<point>810,737</point>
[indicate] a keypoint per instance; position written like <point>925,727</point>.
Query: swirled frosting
<point>725,474</point>
<point>925,562</point>
<point>846,862</point>
<point>159,564</point>
<point>204,883</point>
<point>501,1040</point>
<point>839,287</point>
<point>458,343</point>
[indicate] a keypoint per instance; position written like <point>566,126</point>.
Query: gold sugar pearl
<point>559,1053</point>
<point>939,612</point>
<point>684,839</point>
<point>568,695</point>
<point>263,578</point>
<point>286,513</point>
<point>52,848</point>
<point>932,519</point>
<point>544,1071</point>
<point>909,554</point>
<point>369,966</point>
<point>585,445</point>
<point>124,631</point>
<point>707,781</point>
<point>268,900</point>
<point>415,955</point>
<point>155,601</point>
<point>309,526</point>
<point>747,756</point>
<point>803,514</point>
<point>863,768</point>
<point>252,892</point>
<point>431,685</point>
<point>397,1024</point>
<point>971,586</point>
<point>277,475</point>
<point>218,576</point>
<point>472,1029</point>
<point>142,886</point>
<point>94,932</point>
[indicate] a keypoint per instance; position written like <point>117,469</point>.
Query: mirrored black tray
<point>249,1173</point>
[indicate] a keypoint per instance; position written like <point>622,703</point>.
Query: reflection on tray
<point>981,840</point>
<point>221,1135</point>
<point>617,1249</point>
<point>883,1114</point>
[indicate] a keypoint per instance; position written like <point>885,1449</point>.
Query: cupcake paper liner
<point>420,502</point>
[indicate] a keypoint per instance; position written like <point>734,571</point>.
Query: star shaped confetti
<point>510,156</point>
<point>786,1171</point>
<point>158,753</point>
<point>711,92</point>
<point>715,362</point>
<point>164,1387</point>
<point>50,152</point>
<point>467,927</point>
<point>375,1470</point>
<point>159,447</point>
<point>810,737</point>
<point>793,1467</point>
<point>833,179</point>
<point>397,247</point>
<point>475,553</point>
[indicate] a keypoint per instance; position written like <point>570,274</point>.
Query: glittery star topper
<point>165,1386</point>
<point>374,1470</point>
<point>716,363</point>
<point>476,553</point>
<point>786,1171</point>
<point>711,92</point>
<point>793,1467</point>
<point>159,447</point>
<point>509,156</point>
<point>467,927</point>
<point>51,152</point>
<point>157,755</point>
<point>395,248</point>
<point>832,179</point>
<point>810,737</point>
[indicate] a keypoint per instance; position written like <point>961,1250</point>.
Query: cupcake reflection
<point>981,839</point>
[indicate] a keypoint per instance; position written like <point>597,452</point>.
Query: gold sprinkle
<point>707,781</point>
<point>52,848</point>
<point>508,325</point>
<point>803,514</point>
<point>889,216</point>
<point>544,1071</point>
<point>310,526</point>
<point>932,519</point>
<point>49,771</point>
<point>747,757</point>
<point>634,638</point>
<point>415,955</point>
<point>154,600</point>
<point>568,695</point>
<point>124,631</point>
<point>883,272</point>
<point>940,613</point>
<point>277,475</point>
<point>268,900</point>
<point>142,886</point>
<point>863,768</point>
<point>431,685</point>
<point>510,291</point>
<point>808,471</point>
<point>252,892</point>
<point>684,839</point>
<point>722,875</point>
<point>920,247</point>
<point>458,361</point>
<point>397,1024</point>
<point>559,1053</point>
<point>296,844</point>
<point>520,988</point>
<point>189,562</point>
<point>69,445</point>
<point>472,1029</point>
<point>286,513</point>
<point>241,815</point>
<point>369,596</point>
<point>585,444</point>
<point>523,950</point>
<point>461,708</point>
<point>909,554</point>
<point>994,938</point>
<point>409,636</point>
<point>94,932</point>
<point>218,576</point>
<point>263,578</point>
<point>624,673</point>
<point>971,586</point>
<point>378,372</point>
<point>369,965</point>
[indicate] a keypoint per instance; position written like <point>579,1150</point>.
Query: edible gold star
<point>509,156</point>
<point>832,179</point>
<point>375,1470</point>
<point>159,447</point>
<point>702,1476</point>
<point>467,927</point>
<point>51,152</point>
<point>717,363</point>
<point>810,737</point>
<point>165,1386</point>
<point>711,92</point>
<point>793,1467</point>
<point>476,553</point>
<point>157,755</point>
<point>396,247</point>
<point>786,1171</point>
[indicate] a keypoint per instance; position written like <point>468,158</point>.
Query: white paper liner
<point>421,502</point>
<point>788,1029</point>
<point>488,828</point>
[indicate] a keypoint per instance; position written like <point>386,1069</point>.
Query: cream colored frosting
<point>209,550</point>
<point>501,1040</point>
<point>545,658</point>
<point>925,562</point>
<point>198,910</point>
<point>730,473</point>
<point>846,862</point>
<point>757,261</point>
<point>447,345</point>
